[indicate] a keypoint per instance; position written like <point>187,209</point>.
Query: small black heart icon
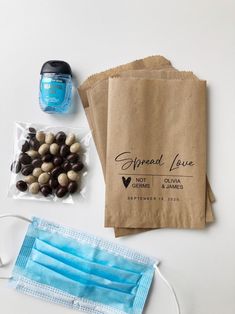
<point>126,181</point>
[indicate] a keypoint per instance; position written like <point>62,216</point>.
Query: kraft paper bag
<point>152,62</point>
<point>156,154</point>
<point>98,101</point>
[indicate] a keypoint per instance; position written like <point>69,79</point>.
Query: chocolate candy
<point>31,133</point>
<point>46,190</point>
<point>25,147</point>
<point>53,183</point>
<point>16,166</point>
<point>34,143</point>
<point>27,170</point>
<point>78,166</point>
<point>72,187</point>
<point>25,159</point>
<point>66,166</point>
<point>61,191</point>
<point>56,172</point>
<point>37,162</point>
<point>21,185</point>
<point>47,158</point>
<point>60,137</point>
<point>73,158</point>
<point>64,150</point>
<point>50,163</point>
<point>57,160</point>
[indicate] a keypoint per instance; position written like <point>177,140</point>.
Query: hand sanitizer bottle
<point>55,87</point>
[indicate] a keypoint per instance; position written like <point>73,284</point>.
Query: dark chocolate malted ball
<point>31,133</point>
<point>73,157</point>
<point>27,170</point>
<point>56,172</point>
<point>66,166</point>
<point>60,137</point>
<point>47,158</point>
<point>61,191</point>
<point>16,166</point>
<point>64,150</point>
<point>21,185</point>
<point>25,159</point>
<point>72,187</point>
<point>37,162</point>
<point>78,166</point>
<point>34,143</point>
<point>57,160</point>
<point>25,147</point>
<point>46,190</point>
<point>53,183</point>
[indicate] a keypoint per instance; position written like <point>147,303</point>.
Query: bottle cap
<point>56,66</point>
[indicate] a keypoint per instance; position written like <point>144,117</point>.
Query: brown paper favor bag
<point>98,101</point>
<point>153,62</point>
<point>156,162</point>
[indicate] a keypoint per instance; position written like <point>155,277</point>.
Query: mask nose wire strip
<point>170,288</point>
<point>9,215</point>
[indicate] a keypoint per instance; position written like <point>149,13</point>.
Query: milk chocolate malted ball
<point>37,172</point>
<point>72,175</point>
<point>43,149</point>
<point>49,138</point>
<point>47,166</point>
<point>74,148</point>
<point>30,179</point>
<point>60,137</point>
<point>40,136</point>
<point>54,148</point>
<point>63,179</point>
<point>43,178</point>
<point>21,186</point>
<point>70,139</point>
<point>34,188</point>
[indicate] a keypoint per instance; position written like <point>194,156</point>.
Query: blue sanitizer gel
<point>55,87</point>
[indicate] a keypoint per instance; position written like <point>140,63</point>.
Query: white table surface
<point>92,36</point>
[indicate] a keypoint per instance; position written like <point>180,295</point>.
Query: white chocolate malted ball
<point>47,166</point>
<point>30,179</point>
<point>49,138</point>
<point>72,175</point>
<point>74,148</point>
<point>40,136</point>
<point>32,153</point>
<point>70,139</point>
<point>37,172</point>
<point>43,149</point>
<point>34,188</point>
<point>63,179</point>
<point>43,178</point>
<point>54,148</point>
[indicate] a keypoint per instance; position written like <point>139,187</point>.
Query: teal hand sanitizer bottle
<point>55,87</point>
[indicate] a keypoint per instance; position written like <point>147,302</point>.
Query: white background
<point>93,36</point>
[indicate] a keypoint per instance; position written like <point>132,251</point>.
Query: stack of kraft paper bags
<point>149,124</point>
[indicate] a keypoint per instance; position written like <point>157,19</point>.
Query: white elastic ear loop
<point>11,216</point>
<point>171,289</point>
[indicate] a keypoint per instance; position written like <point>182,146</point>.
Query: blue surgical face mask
<point>81,271</point>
